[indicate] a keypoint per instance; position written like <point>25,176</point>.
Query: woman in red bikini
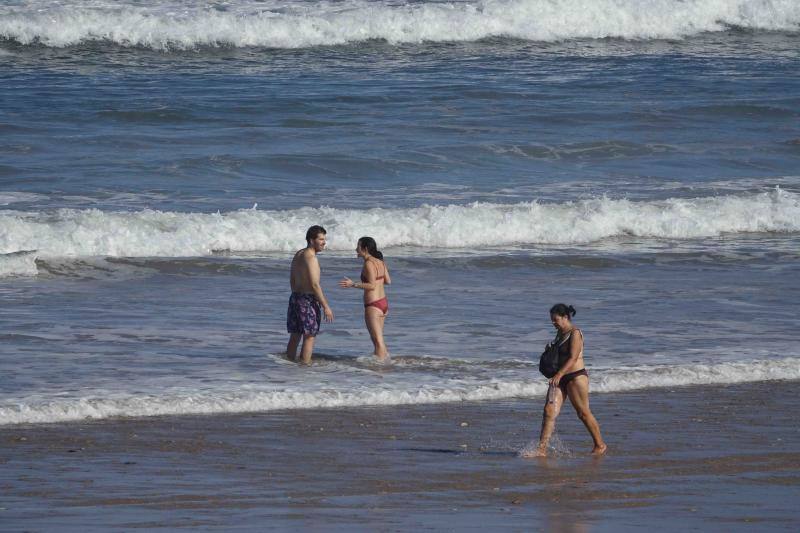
<point>374,276</point>
<point>571,381</point>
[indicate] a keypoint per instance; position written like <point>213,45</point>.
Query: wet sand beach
<point>698,458</point>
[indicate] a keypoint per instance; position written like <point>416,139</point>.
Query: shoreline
<point>265,402</point>
<point>89,419</point>
<point>441,466</point>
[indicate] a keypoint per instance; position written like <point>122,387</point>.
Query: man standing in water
<point>304,314</point>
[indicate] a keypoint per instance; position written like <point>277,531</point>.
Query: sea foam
<point>177,24</point>
<point>150,233</point>
<point>238,400</point>
<point>18,264</point>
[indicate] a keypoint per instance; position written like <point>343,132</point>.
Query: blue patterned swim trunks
<point>304,314</point>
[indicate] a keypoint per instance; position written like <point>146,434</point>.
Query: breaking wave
<point>150,233</point>
<point>22,263</point>
<point>180,24</point>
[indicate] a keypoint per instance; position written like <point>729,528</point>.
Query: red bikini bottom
<point>382,304</point>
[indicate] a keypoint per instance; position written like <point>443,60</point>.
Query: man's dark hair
<point>313,232</point>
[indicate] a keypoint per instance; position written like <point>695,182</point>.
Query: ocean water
<point>160,160</point>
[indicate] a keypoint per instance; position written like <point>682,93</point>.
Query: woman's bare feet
<point>535,452</point>
<point>599,449</point>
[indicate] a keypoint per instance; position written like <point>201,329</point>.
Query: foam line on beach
<point>186,402</point>
<point>176,24</point>
<point>150,233</point>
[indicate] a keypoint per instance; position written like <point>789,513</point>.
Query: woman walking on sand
<point>374,275</point>
<point>571,381</point>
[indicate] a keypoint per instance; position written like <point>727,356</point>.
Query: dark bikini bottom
<point>572,375</point>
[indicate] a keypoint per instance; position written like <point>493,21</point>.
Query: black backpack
<point>550,362</point>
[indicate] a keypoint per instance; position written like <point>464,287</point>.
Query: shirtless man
<point>304,315</point>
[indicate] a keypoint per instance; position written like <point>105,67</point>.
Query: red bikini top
<point>364,279</point>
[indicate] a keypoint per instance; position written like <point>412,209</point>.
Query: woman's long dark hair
<point>562,310</point>
<point>369,244</point>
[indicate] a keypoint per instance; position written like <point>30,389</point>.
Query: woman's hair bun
<point>562,310</point>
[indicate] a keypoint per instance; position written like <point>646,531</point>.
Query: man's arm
<point>313,277</point>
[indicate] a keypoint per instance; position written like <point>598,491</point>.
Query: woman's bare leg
<point>578,392</point>
<point>374,319</point>
<point>549,416</point>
